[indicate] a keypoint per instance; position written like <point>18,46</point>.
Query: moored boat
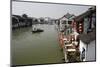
<point>37,31</point>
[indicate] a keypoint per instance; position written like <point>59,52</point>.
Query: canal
<point>37,48</point>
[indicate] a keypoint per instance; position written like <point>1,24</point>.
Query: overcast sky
<point>46,10</point>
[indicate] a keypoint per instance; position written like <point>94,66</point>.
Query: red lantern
<point>80,27</point>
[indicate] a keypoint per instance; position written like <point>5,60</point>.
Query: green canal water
<point>38,48</point>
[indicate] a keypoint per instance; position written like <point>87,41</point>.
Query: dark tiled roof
<point>67,16</point>
<point>17,16</point>
<point>87,38</point>
<point>85,14</point>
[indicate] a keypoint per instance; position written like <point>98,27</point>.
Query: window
<point>64,22</point>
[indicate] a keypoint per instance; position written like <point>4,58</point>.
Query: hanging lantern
<point>80,27</point>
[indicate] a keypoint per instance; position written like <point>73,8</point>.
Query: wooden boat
<point>37,31</point>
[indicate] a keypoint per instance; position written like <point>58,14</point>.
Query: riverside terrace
<point>75,43</point>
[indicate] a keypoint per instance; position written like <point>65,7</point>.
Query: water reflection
<point>37,48</point>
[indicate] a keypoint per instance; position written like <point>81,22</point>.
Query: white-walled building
<point>88,46</point>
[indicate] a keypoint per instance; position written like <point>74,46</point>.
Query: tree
<point>24,16</point>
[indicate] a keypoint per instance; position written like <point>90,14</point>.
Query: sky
<point>33,9</point>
